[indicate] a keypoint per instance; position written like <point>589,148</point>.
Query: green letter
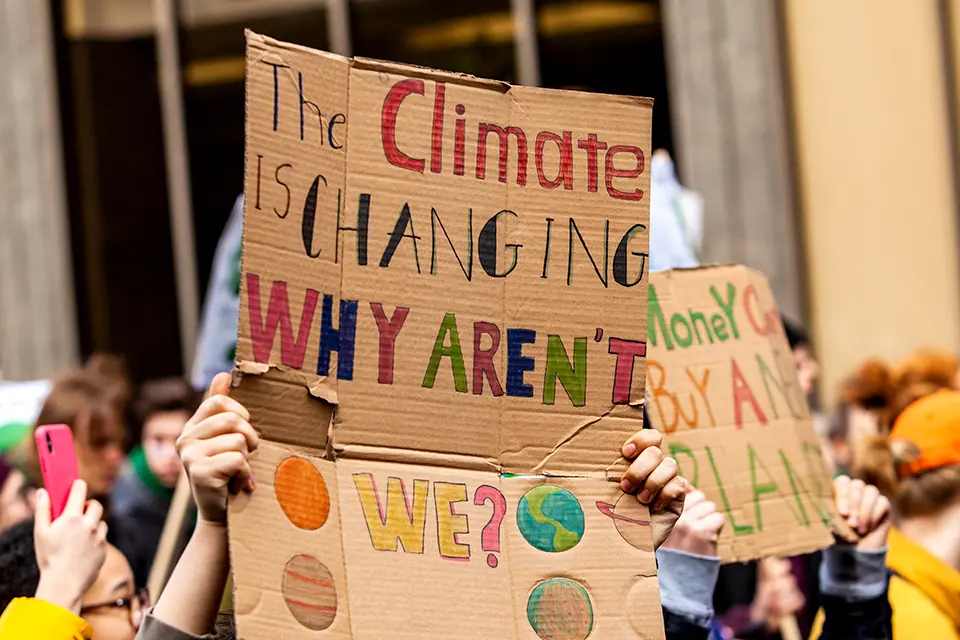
<point>655,315</point>
<point>573,379</point>
<point>812,469</point>
<point>728,307</point>
<point>682,342</point>
<point>719,327</point>
<point>676,449</point>
<point>768,377</point>
<point>738,529</point>
<point>793,486</point>
<point>694,316</point>
<point>449,325</point>
<point>766,487</point>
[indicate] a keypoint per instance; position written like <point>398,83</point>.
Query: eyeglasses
<point>136,606</point>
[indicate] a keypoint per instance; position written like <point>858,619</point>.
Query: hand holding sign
<point>698,528</point>
<point>655,477</point>
<point>214,447</point>
<point>865,510</point>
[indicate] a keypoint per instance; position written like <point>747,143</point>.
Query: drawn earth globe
<point>550,518</point>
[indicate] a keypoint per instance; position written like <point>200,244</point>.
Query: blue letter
<point>340,340</point>
<point>517,363</point>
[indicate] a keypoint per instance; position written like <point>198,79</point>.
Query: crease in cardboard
<point>576,431</point>
<point>417,457</point>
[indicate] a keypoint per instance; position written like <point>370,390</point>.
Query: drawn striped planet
<point>309,592</point>
<point>560,609</point>
<point>302,493</point>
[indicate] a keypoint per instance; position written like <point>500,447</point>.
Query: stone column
<point>874,141</point>
<point>728,99</point>
<point>38,334</point>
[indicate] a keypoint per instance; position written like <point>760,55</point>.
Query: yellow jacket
<point>31,619</point>
<point>924,593</point>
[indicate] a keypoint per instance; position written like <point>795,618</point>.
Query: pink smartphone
<point>58,463</point>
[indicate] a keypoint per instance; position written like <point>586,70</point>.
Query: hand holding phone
<point>71,549</point>
<point>58,464</point>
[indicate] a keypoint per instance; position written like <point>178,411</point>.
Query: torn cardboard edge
<point>429,73</point>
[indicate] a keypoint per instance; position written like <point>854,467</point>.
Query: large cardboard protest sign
<point>441,341</point>
<point>722,386</point>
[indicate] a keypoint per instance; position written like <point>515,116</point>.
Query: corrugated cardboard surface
<point>400,295</point>
<point>722,386</point>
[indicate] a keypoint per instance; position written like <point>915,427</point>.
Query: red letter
<point>565,173</point>
<point>612,173</point>
<point>484,131</point>
<point>627,351</point>
<point>263,333</point>
<point>458,142</point>
<point>591,144</point>
<point>388,125</point>
<point>483,358</point>
<point>436,158</point>
<point>741,394</point>
<point>750,292</point>
<point>388,338</point>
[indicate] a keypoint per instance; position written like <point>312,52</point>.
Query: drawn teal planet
<point>560,609</point>
<point>550,518</point>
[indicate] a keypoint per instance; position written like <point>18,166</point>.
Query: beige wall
<point>879,217</point>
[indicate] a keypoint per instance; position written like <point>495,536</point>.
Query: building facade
<point>821,135</point>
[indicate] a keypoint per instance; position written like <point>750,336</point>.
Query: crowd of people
<point>893,442</point>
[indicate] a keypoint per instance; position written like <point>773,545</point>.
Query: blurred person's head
<point>918,467</point>
<point>92,405</point>
<point>111,605</point>
<point>864,397</point>
<point>18,563</point>
<point>162,409</point>
<point>808,369</point>
<point>902,398</point>
<point>927,366</point>
<point>113,370</point>
<point>16,496</point>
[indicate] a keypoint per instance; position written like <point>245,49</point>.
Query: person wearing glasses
<point>61,580</point>
<point>112,606</point>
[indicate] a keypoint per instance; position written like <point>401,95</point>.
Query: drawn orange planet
<point>632,520</point>
<point>309,592</point>
<point>302,493</point>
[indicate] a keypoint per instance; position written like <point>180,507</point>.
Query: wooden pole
<point>789,628</point>
<point>525,42</point>
<point>338,27</point>
<point>170,538</point>
<point>166,16</point>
